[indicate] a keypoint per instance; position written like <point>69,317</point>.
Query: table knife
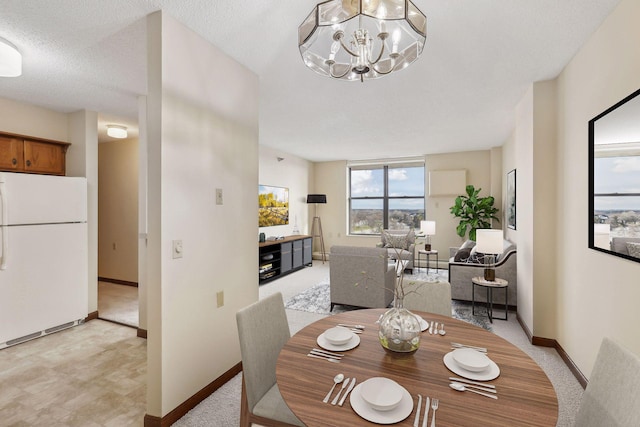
<point>353,383</point>
<point>426,412</point>
<point>416,422</point>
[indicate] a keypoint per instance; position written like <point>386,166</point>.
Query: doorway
<point>118,225</point>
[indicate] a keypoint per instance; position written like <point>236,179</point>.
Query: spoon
<point>441,331</point>
<point>460,387</point>
<point>336,380</point>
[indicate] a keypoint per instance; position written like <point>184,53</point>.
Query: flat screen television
<point>273,206</point>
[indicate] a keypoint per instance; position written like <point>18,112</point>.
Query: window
<point>385,196</point>
<point>616,195</point>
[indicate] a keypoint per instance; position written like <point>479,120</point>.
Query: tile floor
<point>89,375</point>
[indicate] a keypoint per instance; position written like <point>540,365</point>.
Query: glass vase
<point>399,330</point>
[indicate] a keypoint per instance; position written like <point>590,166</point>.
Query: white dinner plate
<point>352,343</point>
<point>424,325</point>
<point>397,414</point>
<point>491,373</point>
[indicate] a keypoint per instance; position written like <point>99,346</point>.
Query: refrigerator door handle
<point>3,227</point>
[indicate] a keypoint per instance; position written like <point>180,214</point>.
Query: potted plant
<point>474,212</point>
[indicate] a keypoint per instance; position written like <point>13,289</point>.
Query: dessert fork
<point>434,406</point>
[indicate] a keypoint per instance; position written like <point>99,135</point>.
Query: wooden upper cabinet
<point>11,155</point>
<point>32,155</point>
<point>44,157</point>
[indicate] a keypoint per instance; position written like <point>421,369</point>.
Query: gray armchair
<point>461,271</point>
<point>369,268</point>
<point>400,242</point>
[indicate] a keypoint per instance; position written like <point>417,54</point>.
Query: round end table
<point>490,286</point>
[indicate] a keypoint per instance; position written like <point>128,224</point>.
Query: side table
<point>427,255</point>
<point>490,286</point>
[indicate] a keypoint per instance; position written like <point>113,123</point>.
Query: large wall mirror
<point>614,179</point>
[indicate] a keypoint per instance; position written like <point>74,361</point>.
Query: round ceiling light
<point>10,60</point>
<point>117,131</point>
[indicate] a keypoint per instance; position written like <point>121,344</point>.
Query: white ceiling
<point>478,61</point>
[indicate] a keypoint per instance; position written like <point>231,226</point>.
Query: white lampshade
<point>10,60</point>
<point>428,227</point>
<point>117,131</point>
<point>489,241</point>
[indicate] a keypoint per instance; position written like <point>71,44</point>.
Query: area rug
<point>316,299</point>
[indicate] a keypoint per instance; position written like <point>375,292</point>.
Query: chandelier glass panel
<point>355,40</point>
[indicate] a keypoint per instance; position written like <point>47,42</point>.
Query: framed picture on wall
<point>511,200</point>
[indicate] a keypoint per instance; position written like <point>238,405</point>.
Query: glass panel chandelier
<point>362,39</point>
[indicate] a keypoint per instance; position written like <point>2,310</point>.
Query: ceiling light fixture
<point>117,131</point>
<point>10,60</point>
<point>362,39</point>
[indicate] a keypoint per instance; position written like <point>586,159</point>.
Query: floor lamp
<point>316,228</point>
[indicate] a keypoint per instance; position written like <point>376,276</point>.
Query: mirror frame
<point>592,124</point>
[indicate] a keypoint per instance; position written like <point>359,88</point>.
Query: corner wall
<point>202,113</point>
<point>597,293</point>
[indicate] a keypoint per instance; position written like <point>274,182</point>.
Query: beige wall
<point>523,150</point>
<point>479,170</point>
<point>597,293</point>
<point>481,167</point>
<point>26,119</point>
<point>118,210</point>
<point>297,175</point>
<point>202,134</point>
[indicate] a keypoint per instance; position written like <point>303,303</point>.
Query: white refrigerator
<point>43,261</point>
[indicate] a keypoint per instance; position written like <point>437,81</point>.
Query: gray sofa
<point>402,243</point>
<point>361,277</point>
<point>619,244</point>
<point>463,267</point>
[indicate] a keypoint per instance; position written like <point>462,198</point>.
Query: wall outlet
<point>220,298</point>
<point>218,196</point>
<point>176,249</point>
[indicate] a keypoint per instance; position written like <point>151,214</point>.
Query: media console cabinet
<point>279,257</point>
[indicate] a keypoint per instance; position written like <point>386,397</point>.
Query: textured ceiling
<point>478,61</point>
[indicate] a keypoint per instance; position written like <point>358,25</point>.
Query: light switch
<point>176,248</point>
<point>218,196</point>
<point>220,297</point>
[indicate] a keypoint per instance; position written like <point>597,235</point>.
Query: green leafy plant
<point>474,212</point>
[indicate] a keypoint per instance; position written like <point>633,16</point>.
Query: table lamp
<point>489,242</point>
<point>429,229</point>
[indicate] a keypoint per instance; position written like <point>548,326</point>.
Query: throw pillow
<point>397,241</point>
<point>462,255</point>
<point>634,249</point>
<point>468,244</point>
<point>476,257</point>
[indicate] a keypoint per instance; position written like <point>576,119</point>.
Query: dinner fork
<point>434,406</point>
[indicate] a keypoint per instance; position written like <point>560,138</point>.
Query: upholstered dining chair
<point>430,297</point>
<point>612,397</point>
<point>263,331</point>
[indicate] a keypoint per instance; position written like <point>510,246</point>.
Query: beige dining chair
<point>430,297</point>
<point>263,331</point>
<point>612,397</point>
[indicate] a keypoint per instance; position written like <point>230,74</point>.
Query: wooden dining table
<point>526,397</point>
